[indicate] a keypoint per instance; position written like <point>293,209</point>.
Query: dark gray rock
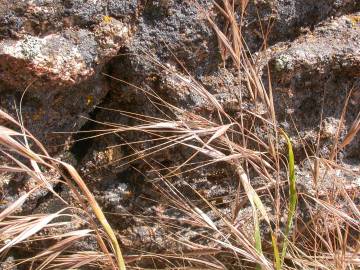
<point>288,19</point>
<point>314,74</point>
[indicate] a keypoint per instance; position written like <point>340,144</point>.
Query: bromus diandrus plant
<point>200,232</point>
<point>18,157</point>
<point>292,202</point>
<point>218,140</point>
<point>235,143</point>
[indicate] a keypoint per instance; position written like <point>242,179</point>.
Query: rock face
<point>76,58</point>
<point>57,49</point>
<point>60,48</point>
<point>61,59</point>
<point>314,74</point>
<point>289,19</point>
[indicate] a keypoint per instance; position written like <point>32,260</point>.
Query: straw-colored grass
<point>15,230</point>
<point>277,235</point>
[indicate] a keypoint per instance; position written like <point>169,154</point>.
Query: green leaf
<point>292,195</point>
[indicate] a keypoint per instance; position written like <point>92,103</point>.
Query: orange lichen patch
<point>152,78</point>
<point>355,19</point>
<point>37,116</point>
<point>113,154</point>
<point>4,202</point>
<point>107,19</point>
<point>89,100</point>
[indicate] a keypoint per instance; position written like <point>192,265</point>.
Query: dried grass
<point>328,239</point>
<point>16,230</point>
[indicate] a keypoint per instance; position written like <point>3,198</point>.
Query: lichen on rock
<point>65,58</point>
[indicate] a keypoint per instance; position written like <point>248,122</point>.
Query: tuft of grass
<point>221,139</point>
<point>19,230</point>
<point>292,200</point>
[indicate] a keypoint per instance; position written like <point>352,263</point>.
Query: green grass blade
<point>257,235</point>
<point>276,252</point>
<point>256,205</point>
<point>292,194</point>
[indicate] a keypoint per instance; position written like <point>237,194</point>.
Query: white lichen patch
<point>31,47</point>
<point>109,34</point>
<point>283,62</point>
<point>63,58</point>
<point>330,127</point>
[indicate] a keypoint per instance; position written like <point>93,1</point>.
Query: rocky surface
<point>65,45</point>
<point>289,19</point>
<point>68,54</point>
<point>313,75</point>
<point>56,49</point>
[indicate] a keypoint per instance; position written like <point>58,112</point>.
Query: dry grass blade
<point>251,193</point>
<point>24,229</point>
<point>9,118</point>
<point>15,205</point>
<point>69,239</point>
<point>80,259</point>
<point>54,251</point>
<point>99,214</point>
<point>253,253</point>
<point>332,209</point>
<point>35,173</point>
<point>355,128</point>
<point>206,218</point>
<point>7,140</point>
<point>31,230</point>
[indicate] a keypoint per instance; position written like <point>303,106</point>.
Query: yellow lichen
<point>38,115</point>
<point>89,100</point>
<point>3,202</point>
<point>107,19</point>
<point>354,20</point>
